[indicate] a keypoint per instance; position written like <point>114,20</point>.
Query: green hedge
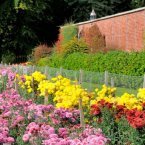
<point>114,61</point>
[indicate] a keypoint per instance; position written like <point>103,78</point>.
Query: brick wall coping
<point>111,16</point>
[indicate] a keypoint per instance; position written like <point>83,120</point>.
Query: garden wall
<point>122,31</point>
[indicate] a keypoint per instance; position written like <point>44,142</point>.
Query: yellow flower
<point>96,90</point>
<point>29,90</point>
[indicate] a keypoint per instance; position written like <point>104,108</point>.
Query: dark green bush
<point>8,57</point>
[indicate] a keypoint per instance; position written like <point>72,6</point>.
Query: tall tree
<point>81,8</point>
<point>24,24</point>
<point>138,3</point>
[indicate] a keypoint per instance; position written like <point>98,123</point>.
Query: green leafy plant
<point>74,45</point>
<point>119,132</point>
<point>108,125</point>
<point>55,60</point>
<point>126,133</point>
<point>67,33</point>
<point>8,57</point>
<point>117,62</point>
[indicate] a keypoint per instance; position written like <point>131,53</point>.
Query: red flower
<point>95,110</point>
<point>136,118</point>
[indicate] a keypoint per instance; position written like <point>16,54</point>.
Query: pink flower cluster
<point>4,132</point>
<point>8,77</point>
<point>17,111</point>
<point>51,136</point>
<point>64,116</point>
<point>43,124</point>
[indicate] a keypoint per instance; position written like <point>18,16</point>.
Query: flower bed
<point>24,122</point>
<point>36,110</point>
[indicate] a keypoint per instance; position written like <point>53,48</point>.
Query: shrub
<point>58,45</point>
<point>94,39</point>
<point>55,60</point>
<point>76,61</point>
<point>41,51</point>
<point>43,61</point>
<point>8,57</point>
<point>67,33</point>
<point>74,45</point>
<point>117,62</point>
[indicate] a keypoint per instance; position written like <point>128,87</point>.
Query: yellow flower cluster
<point>46,86</point>
<point>69,97</point>
<point>51,86</point>
<point>38,76</point>
<point>31,82</point>
<point>141,94</point>
<point>106,93</point>
<point>65,93</point>
<point>130,101</point>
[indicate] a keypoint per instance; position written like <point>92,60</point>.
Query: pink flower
<point>75,142</point>
<point>51,130</point>
<point>53,136</point>
<point>7,114</point>
<point>63,132</point>
<point>10,140</point>
<point>68,114</point>
<point>55,121</point>
<point>4,72</point>
<point>26,137</point>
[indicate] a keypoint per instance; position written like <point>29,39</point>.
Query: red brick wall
<point>123,31</point>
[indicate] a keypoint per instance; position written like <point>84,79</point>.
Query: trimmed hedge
<point>114,61</point>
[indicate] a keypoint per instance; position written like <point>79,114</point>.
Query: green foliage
<point>120,132</point>
<point>23,25</point>
<point>8,57</point>
<point>137,3</point>
<point>108,125</point>
<point>127,134</point>
<point>43,61</point>
<point>74,45</point>
<point>55,60</point>
<point>81,8</point>
<point>76,61</point>
<point>16,3</point>
<point>69,31</point>
<point>117,62</point>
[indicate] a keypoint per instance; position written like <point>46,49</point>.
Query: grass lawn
<point>119,91</point>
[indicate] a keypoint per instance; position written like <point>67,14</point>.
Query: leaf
<point>16,2</point>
